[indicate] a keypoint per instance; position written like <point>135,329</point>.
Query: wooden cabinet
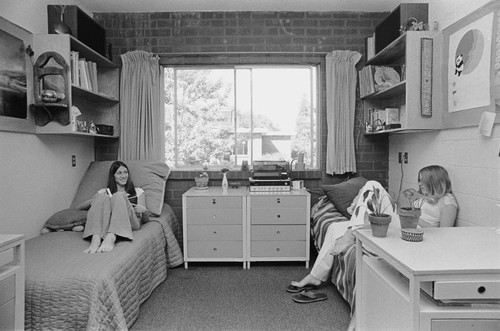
<point>278,226</point>
<point>99,106</point>
<point>416,96</point>
<point>402,270</point>
<point>11,282</point>
<point>214,225</point>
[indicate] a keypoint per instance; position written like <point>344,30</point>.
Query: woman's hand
<point>139,209</point>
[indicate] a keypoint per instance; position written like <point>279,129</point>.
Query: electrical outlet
<point>405,157</point>
<point>400,157</point>
<point>73,160</point>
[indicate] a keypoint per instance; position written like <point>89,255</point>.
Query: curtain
<point>141,115</point>
<point>341,78</point>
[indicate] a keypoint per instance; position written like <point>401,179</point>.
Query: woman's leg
<point>123,221</point>
<point>98,218</point>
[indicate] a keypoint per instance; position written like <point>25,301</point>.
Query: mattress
<point>69,290</point>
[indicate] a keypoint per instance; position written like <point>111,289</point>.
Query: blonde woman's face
<point>421,187</point>
<point>121,176</point>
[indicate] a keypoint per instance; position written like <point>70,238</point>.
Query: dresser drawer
<point>215,232</point>
<point>214,216</point>
<point>278,248</point>
<point>214,202</point>
<point>7,289</point>
<point>215,249</point>
<point>278,232</point>
<point>282,201</point>
<point>278,216</point>
<point>8,315</point>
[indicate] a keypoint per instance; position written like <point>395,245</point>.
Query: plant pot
<point>379,224</point>
<point>201,182</point>
<point>409,217</point>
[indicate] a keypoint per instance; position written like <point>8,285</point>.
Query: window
<point>222,116</point>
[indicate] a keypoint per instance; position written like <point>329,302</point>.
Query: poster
<point>469,63</point>
<point>13,91</point>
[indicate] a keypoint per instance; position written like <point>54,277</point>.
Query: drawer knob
<point>215,232</point>
<point>214,202</point>
<point>278,249</point>
<point>214,216</point>
<point>277,232</point>
<point>215,249</point>
<point>481,289</point>
<point>279,216</point>
<point>278,200</point>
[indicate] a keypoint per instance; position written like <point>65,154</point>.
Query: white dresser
<point>214,225</point>
<point>11,282</point>
<point>278,226</point>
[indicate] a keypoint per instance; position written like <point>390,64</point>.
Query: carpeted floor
<point>210,296</point>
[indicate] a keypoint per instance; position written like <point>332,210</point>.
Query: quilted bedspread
<point>69,290</point>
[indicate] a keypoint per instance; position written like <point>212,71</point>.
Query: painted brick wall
<point>253,34</point>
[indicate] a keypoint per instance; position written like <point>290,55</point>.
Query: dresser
<point>461,262</point>
<point>278,226</point>
<point>11,282</point>
<point>214,225</point>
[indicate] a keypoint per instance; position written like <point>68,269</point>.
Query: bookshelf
<point>97,99</point>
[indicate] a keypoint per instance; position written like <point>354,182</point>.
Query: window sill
<point>179,174</point>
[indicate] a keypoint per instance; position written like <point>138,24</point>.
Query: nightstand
<point>11,282</point>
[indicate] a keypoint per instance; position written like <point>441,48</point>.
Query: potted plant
<point>379,220</point>
<point>201,180</point>
<point>409,214</point>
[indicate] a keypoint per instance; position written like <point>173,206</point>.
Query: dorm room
<point>41,174</point>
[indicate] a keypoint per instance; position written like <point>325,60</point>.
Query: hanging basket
<point>379,224</point>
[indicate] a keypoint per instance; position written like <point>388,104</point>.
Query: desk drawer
<point>278,216</point>
<point>215,232</point>
<point>7,289</point>
<point>278,248</point>
<point>214,216</point>
<point>282,201</point>
<point>278,232</point>
<point>214,202</point>
<point>215,249</point>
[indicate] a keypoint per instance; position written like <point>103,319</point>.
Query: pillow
<point>151,176</point>
<point>66,219</point>
<point>342,194</point>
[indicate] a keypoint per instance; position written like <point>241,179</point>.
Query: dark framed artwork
<point>16,79</point>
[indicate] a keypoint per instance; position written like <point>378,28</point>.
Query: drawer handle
<point>481,289</point>
<point>214,216</point>
<point>215,232</point>
<point>278,200</point>
<point>279,216</point>
<point>215,249</point>
<point>214,202</point>
<point>277,232</point>
<point>278,249</point>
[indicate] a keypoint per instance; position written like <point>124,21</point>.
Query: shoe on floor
<point>297,289</point>
<point>308,297</point>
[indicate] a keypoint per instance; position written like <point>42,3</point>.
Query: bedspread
<point>69,290</point>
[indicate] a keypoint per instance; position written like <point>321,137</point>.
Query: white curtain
<point>341,78</point>
<point>141,113</point>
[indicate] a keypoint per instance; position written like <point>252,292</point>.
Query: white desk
<point>391,300</point>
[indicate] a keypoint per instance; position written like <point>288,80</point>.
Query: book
<point>132,199</point>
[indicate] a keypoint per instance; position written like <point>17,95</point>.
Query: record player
<point>269,176</point>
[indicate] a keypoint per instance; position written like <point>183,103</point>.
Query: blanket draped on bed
<point>69,290</point>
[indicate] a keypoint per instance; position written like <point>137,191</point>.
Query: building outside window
<point>222,116</point>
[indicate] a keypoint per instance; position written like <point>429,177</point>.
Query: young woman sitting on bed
<point>115,211</point>
<point>439,209</point>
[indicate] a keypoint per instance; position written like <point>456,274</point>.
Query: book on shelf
<point>83,73</point>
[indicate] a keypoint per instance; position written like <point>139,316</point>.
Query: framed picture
<point>471,48</point>
<point>16,78</point>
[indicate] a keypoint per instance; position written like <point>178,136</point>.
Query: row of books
<point>366,81</point>
<point>83,72</point>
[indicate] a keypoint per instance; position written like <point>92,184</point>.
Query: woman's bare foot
<point>307,280</point>
<point>94,244</point>
<point>108,243</point>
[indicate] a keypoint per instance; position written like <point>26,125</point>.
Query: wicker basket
<point>412,234</point>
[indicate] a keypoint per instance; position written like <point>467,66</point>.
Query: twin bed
<point>69,290</point>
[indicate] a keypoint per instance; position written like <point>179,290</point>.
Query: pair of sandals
<point>305,294</point>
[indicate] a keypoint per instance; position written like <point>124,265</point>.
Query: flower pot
<point>409,217</point>
<point>379,224</point>
<point>201,182</point>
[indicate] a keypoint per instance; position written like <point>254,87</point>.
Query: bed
<point>69,290</point>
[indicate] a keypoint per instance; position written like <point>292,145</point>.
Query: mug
<point>297,184</point>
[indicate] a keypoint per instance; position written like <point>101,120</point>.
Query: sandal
<point>308,297</point>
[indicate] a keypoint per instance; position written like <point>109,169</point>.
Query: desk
<point>388,295</point>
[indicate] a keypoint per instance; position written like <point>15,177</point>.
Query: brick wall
<point>249,37</point>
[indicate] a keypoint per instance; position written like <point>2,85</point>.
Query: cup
<point>297,184</point>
